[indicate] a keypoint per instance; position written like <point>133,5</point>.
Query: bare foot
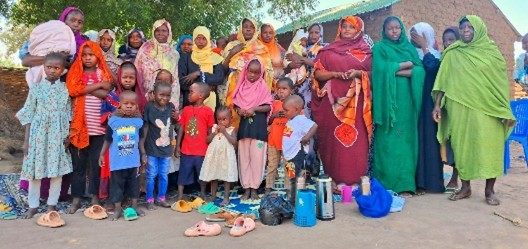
<point>225,202</point>
<point>268,191</point>
<point>210,199</point>
<point>491,199</point>
<point>405,194</point>
<point>117,213</point>
<point>95,200</point>
<point>52,208</point>
<point>151,206</point>
<point>254,195</point>
<point>76,204</point>
<point>183,198</point>
<point>203,197</point>
<point>246,195</point>
<point>109,206</point>
<point>29,214</point>
<point>139,211</point>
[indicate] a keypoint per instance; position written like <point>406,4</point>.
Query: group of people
<point>229,114</point>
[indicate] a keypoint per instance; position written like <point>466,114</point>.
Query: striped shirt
<point>92,107</point>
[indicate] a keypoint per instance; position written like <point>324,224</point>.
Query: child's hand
<point>250,112</point>
<point>221,129</point>
<point>177,153</point>
<point>175,115</point>
<point>281,114</point>
<point>25,148</point>
<point>143,160</point>
<point>237,49</point>
<point>101,161</point>
<point>106,85</point>
<point>305,140</point>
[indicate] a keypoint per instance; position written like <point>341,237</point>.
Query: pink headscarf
<point>252,94</point>
<point>79,38</point>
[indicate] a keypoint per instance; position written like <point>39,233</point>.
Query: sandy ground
<point>429,221</point>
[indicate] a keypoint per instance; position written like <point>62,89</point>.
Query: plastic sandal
<point>95,212</point>
<point>130,214</point>
<point>209,208</point>
<point>4,207</point>
<point>181,206</point>
<point>51,219</point>
<point>220,217</point>
<point>203,229</point>
<point>242,226</point>
<point>9,215</point>
<point>197,203</point>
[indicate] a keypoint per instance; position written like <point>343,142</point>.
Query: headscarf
<point>252,94</point>
<point>138,89</point>
<point>111,60</point>
<point>252,48</point>
<point>342,55</point>
<point>274,49</point>
<point>153,56</point>
<point>204,57</point>
<point>474,74</point>
<point>79,37</point>
<point>129,53</point>
<point>425,30</point>
<point>454,30</point>
<point>78,128</point>
<point>387,55</point>
<point>92,35</point>
<point>180,41</point>
<point>314,48</point>
<point>295,45</point>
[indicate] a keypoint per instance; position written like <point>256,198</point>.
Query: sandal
<point>181,206</point>
<point>220,217</point>
<point>95,212</point>
<point>230,222</point>
<point>197,203</point>
<point>4,207</point>
<point>51,219</point>
<point>451,190</point>
<point>492,201</point>
<point>203,229</point>
<point>9,215</point>
<point>242,226</point>
<point>457,196</point>
<point>209,208</point>
<point>130,214</point>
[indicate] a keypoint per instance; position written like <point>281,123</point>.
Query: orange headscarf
<point>274,49</point>
<point>78,128</point>
<point>355,21</point>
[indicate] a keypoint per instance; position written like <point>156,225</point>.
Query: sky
<point>515,10</point>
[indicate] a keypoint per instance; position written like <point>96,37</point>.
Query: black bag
<point>273,209</point>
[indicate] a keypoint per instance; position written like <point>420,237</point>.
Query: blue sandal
<point>9,215</point>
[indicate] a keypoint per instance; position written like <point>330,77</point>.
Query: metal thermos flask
<point>324,198</point>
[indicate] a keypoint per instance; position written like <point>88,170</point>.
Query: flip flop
<point>95,212</point>
<point>4,207</point>
<point>492,201</point>
<point>130,214</point>
<point>457,197</point>
<point>181,206</point>
<point>451,190</point>
<point>51,219</point>
<point>9,215</point>
<point>209,208</point>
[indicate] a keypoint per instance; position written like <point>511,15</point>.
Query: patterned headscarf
<point>111,60</point>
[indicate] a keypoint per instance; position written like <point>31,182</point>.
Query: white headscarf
<point>427,31</point>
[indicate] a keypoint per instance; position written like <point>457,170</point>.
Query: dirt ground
<point>429,221</point>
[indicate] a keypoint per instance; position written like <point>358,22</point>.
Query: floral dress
<point>48,110</point>
<point>220,161</point>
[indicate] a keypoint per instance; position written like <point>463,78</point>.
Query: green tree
<point>13,38</point>
<point>221,16</point>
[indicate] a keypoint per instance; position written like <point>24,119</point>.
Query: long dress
<point>220,161</point>
<point>429,171</point>
<point>48,110</point>
<point>342,110</point>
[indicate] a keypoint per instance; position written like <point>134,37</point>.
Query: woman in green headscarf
<point>473,108</point>
<point>397,83</point>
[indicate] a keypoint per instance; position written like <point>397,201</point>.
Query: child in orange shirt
<point>277,121</point>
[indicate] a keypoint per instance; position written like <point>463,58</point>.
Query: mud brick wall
<point>14,87</point>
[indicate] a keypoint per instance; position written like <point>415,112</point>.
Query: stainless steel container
<point>324,198</point>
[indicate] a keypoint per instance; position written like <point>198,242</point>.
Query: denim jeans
<point>157,166</point>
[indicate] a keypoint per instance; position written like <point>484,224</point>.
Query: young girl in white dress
<point>220,163</point>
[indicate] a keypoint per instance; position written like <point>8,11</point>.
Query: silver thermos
<point>324,198</point>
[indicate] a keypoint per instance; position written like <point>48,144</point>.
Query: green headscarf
<point>474,74</point>
<point>387,56</point>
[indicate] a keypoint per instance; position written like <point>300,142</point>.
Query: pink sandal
<point>203,229</point>
<point>242,226</point>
